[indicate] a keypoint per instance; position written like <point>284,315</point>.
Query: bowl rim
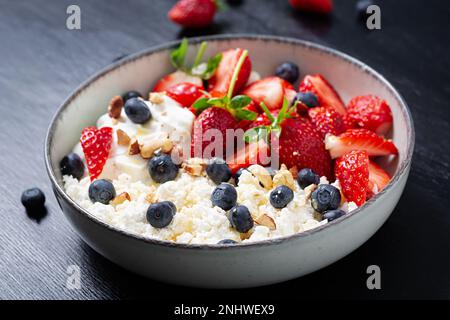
<point>403,167</point>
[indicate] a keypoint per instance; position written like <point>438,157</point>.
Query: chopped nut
<point>156,97</point>
<point>195,166</point>
<point>167,145</point>
<point>246,235</point>
<point>262,174</point>
<point>151,197</point>
<point>265,220</point>
<point>121,198</point>
<point>309,190</point>
<point>284,177</point>
<point>134,147</point>
<point>122,138</point>
<point>147,149</point>
<point>115,107</point>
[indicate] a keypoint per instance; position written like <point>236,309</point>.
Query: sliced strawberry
<point>253,153</point>
<point>271,91</point>
<point>359,139</point>
<point>193,13</point>
<point>352,171</point>
<point>315,6</point>
<point>175,78</point>
<point>327,120</point>
<point>221,79</point>
<point>377,177</point>
<point>185,93</point>
<point>96,144</point>
<point>328,97</point>
<point>369,112</point>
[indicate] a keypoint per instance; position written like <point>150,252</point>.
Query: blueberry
<point>224,196</point>
<point>361,8</point>
<point>160,214</point>
<point>218,171</point>
<point>162,168</point>
<point>72,165</point>
<point>332,215</point>
<point>131,94</point>
<point>306,177</point>
<point>238,174</point>
<point>288,71</point>
<point>137,111</point>
<point>281,196</point>
<point>102,191</point>
<point>227,241</point>
<point>33,199</point>
<point>325,197</point>
<point>241,219</point>
<point>309,99</point>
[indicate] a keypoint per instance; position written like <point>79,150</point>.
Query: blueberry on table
<point>33,199</point>
<point>288,71</point>
<point>72,165</point>
<point>224,196</point>
<point>137,111</point>
<point>332,215</point>
<point>306,177</point>
<point>131,94</point>
<point>281,196</point>
<point>238,174</point>
<point>241,219</point>
<point>325,197</point>
<point>227,241</point>
<point>161,214</point>
<point>218,171</point>
<point>162,168</point>
<point>102,191</point>
<point>309,99</point>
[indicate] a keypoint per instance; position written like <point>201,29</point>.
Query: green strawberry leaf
<point>242,114</point>
<point>200,105</point>
<point>256,133</point>
<point>220,5</point>
<point>238,102</point>
<point>218,102</point>
<point>211,66</point>
<point>178,55</point>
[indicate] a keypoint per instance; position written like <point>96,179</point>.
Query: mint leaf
<point>238,102</point>
<point>242,114</point>
<point>178,55</point>
<point>218,102</point>
<point>211,66</point>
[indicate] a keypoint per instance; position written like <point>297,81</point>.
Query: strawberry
<point>175,78</point>
<point>221,80</point>
<point>377,177</point>
<point>327,120</point>
<point>193,13</point>
<point>359,139</point>
<point>352,171</point>
<point>96,144</point>
<point>328,97</point>
<point>369,112</point>
<point>315,6</point>
<point>252,153</point>
<point>271,91</point>
<point>185,93</point>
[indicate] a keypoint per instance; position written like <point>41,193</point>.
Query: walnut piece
<point>194,166</point>
<point>133,147</point>
<point>265,220</point>
<point>115,107</point>
<point>148,148</point>
<point>284,177</point>
<point>156,97</point>
<point>151,197</point>
<point>262,174</point>
<point>309,190</point>
<point>122,138</point>
<point>121,198</point>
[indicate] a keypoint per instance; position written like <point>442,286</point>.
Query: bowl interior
<point>141,71</point>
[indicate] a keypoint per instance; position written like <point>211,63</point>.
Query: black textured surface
<point>42,62</point>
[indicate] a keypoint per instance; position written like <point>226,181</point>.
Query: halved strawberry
<point>185,93</point>
<point>369,112</point>
<point>96,144</point>
<point>359,139</point>
<point>175,78</point>
<point>315,6</point>
<point>328,97</point>
<point>377,177</point>
<point>221,79</point>
<point>352,171</point>
<point>253,153</point>
<point>271,91</point>
<point>327,120</point>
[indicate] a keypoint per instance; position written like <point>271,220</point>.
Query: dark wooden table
<point>41,62</point>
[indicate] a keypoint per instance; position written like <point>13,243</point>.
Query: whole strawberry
<point>315,6</point>
<point>96,144</point>
<point>193,13</point>
<point>352,171</point>
<point>327,120</point>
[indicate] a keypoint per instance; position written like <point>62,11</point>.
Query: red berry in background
<point>315,6</point>
<point>193,13</point>
<point>96,144</point>
<point>352,171</point>
<point>369,112</point>
<point>185,93</point>
<point>327,120</point>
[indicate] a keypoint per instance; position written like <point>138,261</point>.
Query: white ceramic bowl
<point>244,265</point>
